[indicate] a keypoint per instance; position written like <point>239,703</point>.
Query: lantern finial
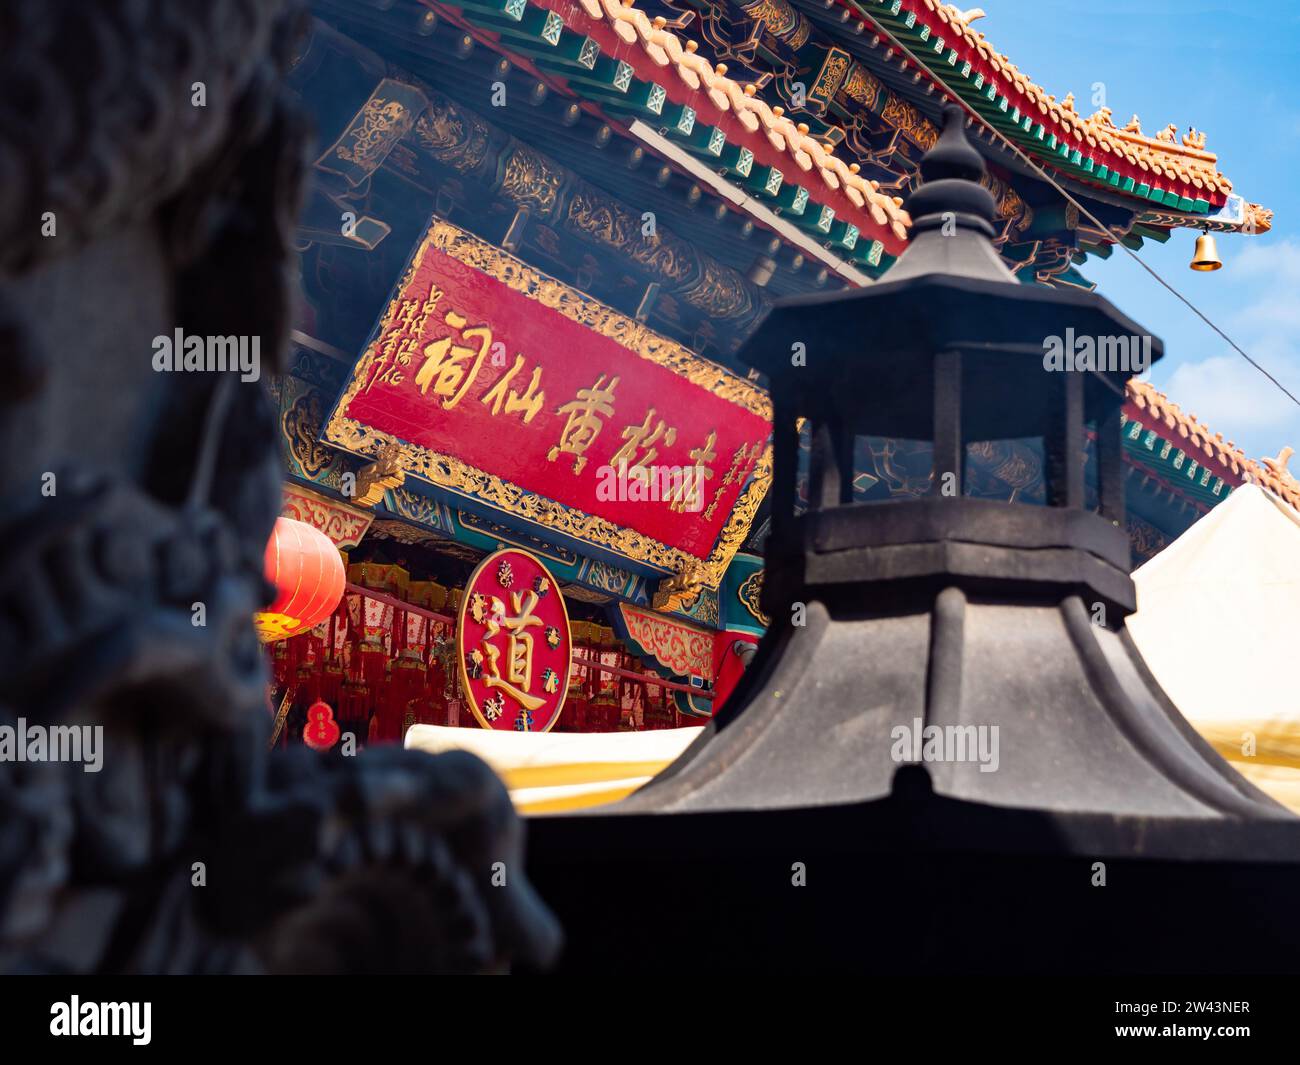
<point>952,171</point>
<point>952,213</point>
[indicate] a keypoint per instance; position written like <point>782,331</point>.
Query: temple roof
<point>1159,413</point>
<point>640,69</point>
<point>1188,162</point>
<point>792,140</point>
<point>1184,168</point>
<point>1180,175</point>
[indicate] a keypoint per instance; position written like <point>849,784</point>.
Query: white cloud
<point>1278,262</point>
<point>1222,391</point>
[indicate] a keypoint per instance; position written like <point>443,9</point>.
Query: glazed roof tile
<point>1160,155</point>
<point>667,49</point>
<point>1196,439</point>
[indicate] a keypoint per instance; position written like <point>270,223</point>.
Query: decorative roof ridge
<point>1096,128</point>
<point>1268,473</point>
<point>1188,162</point>
<point>665,48</point>
<point>1099,121</point>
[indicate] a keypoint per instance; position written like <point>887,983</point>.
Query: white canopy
<point>1218,622</point>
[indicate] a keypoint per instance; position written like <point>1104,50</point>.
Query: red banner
<point>508,386</point>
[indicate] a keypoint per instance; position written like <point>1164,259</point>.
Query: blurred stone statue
<point>150,170</point>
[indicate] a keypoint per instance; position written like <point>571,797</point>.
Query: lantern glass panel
<point>1008,469</point>
<point>884,469</point>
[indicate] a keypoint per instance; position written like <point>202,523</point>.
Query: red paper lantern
<point>307,570</point>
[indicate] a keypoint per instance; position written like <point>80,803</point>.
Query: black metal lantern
<point>947,705</point>
<point>951,618</point>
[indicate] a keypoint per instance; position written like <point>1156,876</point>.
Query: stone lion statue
<point>150,171</point>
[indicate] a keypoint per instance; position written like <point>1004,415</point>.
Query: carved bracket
<point>680,590</point>
<point>387,471</point>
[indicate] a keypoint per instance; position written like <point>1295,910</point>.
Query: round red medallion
<point>513,645</point>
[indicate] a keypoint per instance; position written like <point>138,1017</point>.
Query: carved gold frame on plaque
<point>448,472</point>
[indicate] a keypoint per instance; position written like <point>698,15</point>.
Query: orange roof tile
<point>1196,438</point>
<point>666,49</point>
<point>1187,162</point>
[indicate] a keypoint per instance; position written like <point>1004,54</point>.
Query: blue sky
<point>1227,69</point>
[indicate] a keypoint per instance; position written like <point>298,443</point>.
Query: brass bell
<point>1206,256</point>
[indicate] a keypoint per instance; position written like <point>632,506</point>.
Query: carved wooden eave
<point>424,130</point>
<point>667,83</point>
<point>344,525</point>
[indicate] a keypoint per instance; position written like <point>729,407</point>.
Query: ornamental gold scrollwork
<point>378,121</point>
<point>750,594</point>
<point>860,86</point>
<point>418,508</point>
<point>1145,540</point>
<point>616,227</point>
<point>705,608</point>
<point>831,75</point>
<point>1014,213</point>
<point>1012,207</point>
<point>300,425</point>
<point>781,20</point>
<point>718,292</point>
<point>777,15</point>
<point>504,534</point>
<point>403,534</point>
<point>907,119</point>
<point>531,181</point>
<point>385,118</point>
<point>606,577</point>
<point>1010,464</point>
<point>454,137</point>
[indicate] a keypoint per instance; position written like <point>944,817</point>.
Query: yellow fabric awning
<point>550,772</point>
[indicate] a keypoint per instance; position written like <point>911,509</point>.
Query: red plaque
<point>504,385</point>
<point>513,644</point>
